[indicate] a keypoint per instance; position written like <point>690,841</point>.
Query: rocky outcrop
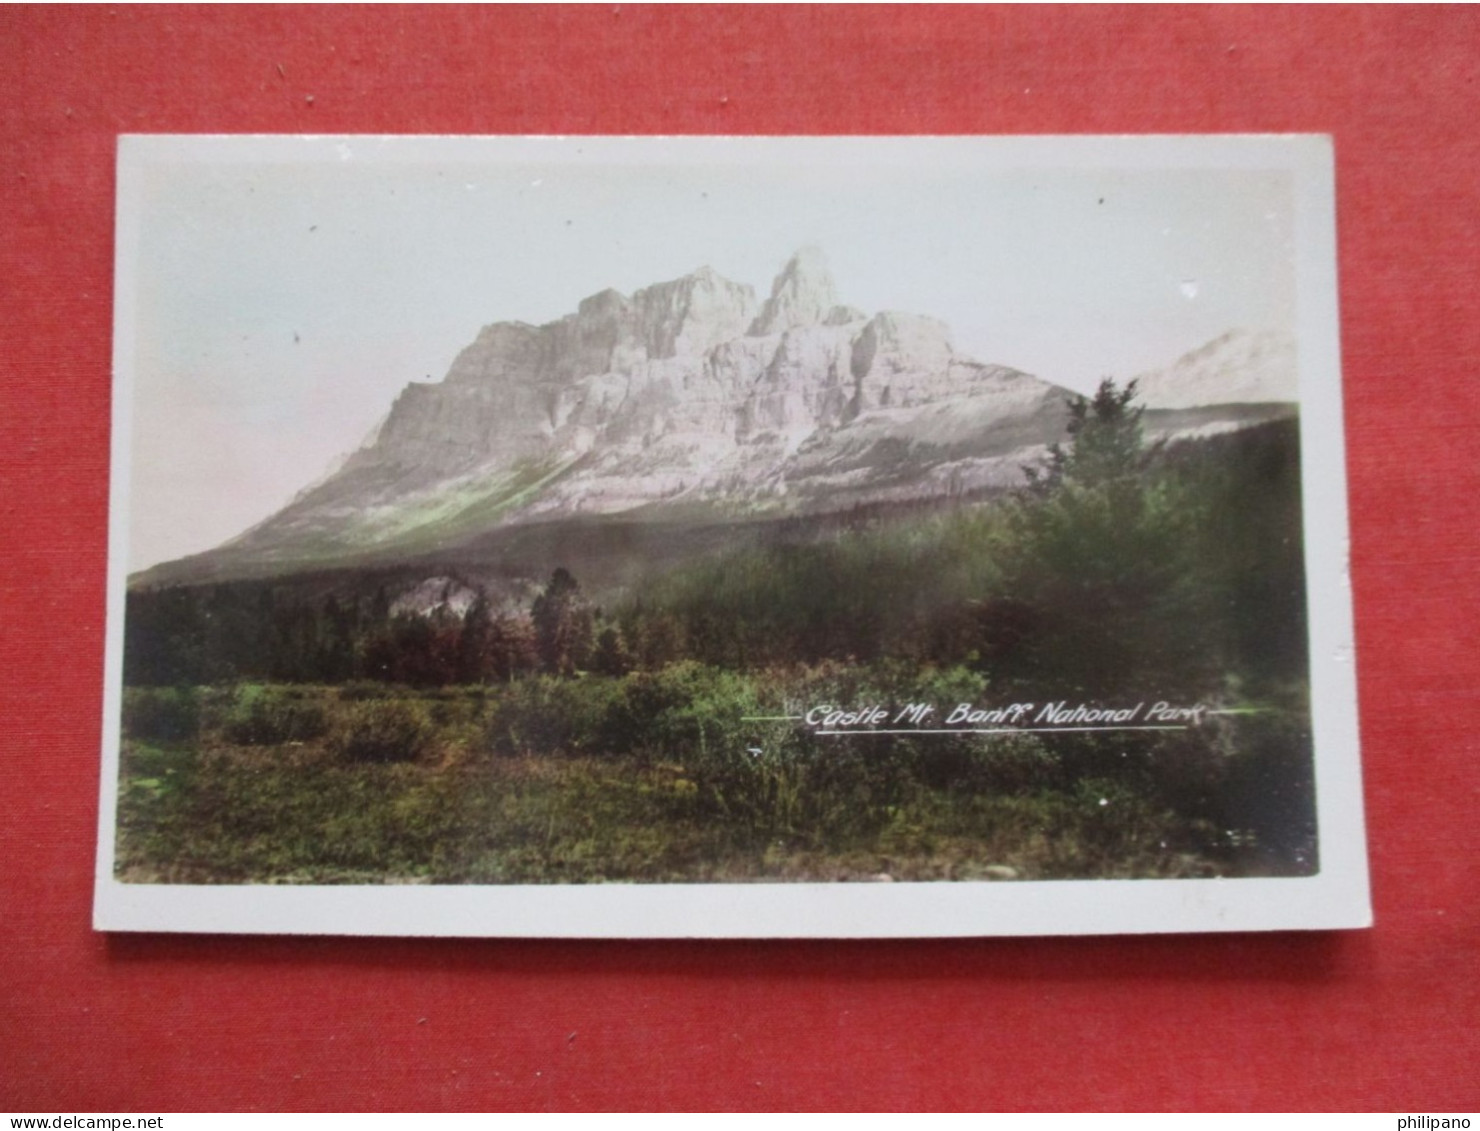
<point>673,380</point>
<point>519,392</point>
<point>609,332</point>
<point>802,295</point>
<point>903,359</point>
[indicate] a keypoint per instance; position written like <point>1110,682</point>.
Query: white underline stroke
<point>999,730</point>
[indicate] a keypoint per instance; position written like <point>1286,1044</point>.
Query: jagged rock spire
<point>802,295</point>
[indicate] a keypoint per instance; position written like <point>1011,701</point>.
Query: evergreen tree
<point>473,642</point>
<point>511,648</point>
<point>1107,441</point>
<point>612,654</point>
<point>1101,595</point>
<point>562,624</point>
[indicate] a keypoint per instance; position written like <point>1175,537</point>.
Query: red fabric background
<point>1384,1019</point>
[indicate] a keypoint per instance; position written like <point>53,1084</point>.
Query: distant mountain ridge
<point>685,398</point>
<point>1239,367</point>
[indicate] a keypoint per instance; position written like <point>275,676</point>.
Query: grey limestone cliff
<point>685,394</point>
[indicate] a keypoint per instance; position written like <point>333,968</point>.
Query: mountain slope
<point>1239,367</point>
<point>686,402</point>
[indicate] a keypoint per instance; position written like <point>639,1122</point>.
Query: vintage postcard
<point>728,537</point>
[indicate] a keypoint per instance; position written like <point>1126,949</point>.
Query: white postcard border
<point>1336,897</point>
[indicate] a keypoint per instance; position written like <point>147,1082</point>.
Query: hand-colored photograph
<point>644,513</point>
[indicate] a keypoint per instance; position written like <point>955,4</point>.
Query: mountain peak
<point>802,295</point>
<point>633,403</point>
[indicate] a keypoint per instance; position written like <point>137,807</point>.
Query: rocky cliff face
<point>686,396</point>
<point>683,373</point>
<point>802,295</point>
<point>684,392</point>
<point>520,391</point>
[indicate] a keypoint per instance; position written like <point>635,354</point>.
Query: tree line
<point>274,631</point>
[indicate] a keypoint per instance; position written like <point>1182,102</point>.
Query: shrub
<point>164,714</point>
<point>358,690</point>
<point>381,731</point>
<point>1105,829</point>
<point>997,764</point>
<point>681,712</point>
<point>829,794</point>
<point>550,715</point>
<point>769,790</point>
<point>263,717</point>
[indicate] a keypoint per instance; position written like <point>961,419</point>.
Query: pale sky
<point>281,292</point>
